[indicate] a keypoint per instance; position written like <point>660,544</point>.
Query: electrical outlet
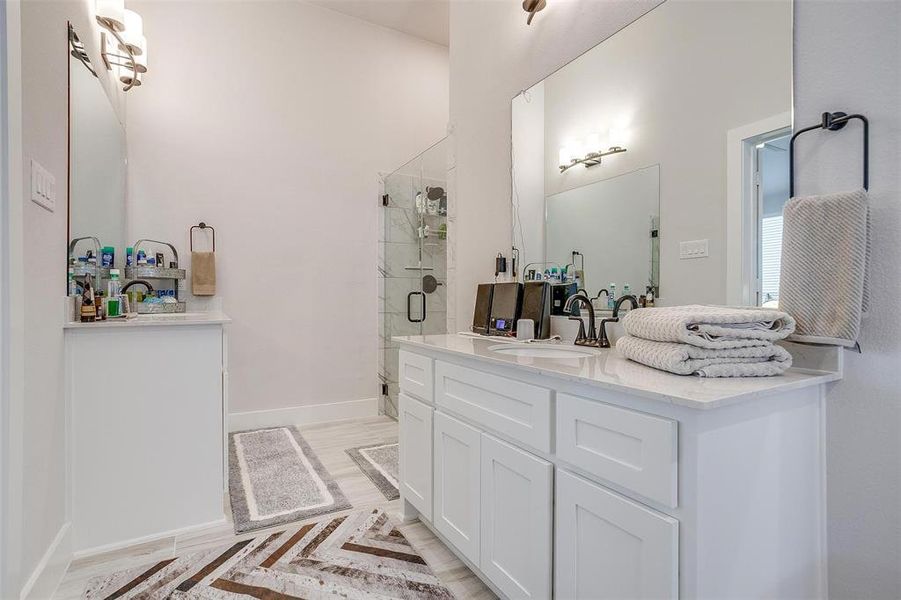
<point>43,186</point>
<point>693,249</point>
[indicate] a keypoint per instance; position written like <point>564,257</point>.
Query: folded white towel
<point>825,251</point>
<point>684,359</point>
<point>710,326</point>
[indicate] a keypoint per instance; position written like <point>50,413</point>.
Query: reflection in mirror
<point>678,88</point>
<point>614,224</point>
<point>97,160</point>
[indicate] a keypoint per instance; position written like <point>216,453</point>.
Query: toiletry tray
<point>145,308</point>
<point>147,272</point>
<point>83,270</point>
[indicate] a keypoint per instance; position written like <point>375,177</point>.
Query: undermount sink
<point>542,351</point>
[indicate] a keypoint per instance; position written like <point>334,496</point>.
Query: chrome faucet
<point>603,340</point>
<point>591,339</point>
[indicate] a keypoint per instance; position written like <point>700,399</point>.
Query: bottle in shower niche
<point>611,297</point>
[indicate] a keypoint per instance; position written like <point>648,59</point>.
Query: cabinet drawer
<point>608,547</point>
<point>415,375</point>
<point>635,450</point>
<point>518,410</point>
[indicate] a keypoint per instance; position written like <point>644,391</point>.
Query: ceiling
<point>425,19</point>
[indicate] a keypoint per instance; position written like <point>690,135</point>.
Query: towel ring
<point>202,225</point>
<point>833,121</point>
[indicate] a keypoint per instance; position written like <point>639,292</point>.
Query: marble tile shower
<point>412,246</point>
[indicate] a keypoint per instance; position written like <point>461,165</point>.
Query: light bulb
<point>111,13</point>
<point>564,156</point>
<point>593,143</point>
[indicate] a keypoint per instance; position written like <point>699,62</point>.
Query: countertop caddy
<point>584,475</point>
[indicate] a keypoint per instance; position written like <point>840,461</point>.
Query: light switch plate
<point>693,249</point>
<point>43,186</point>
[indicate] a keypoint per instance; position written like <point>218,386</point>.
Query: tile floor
<point>329,441</point>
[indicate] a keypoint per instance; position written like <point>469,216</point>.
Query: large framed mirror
<point>97,162</point>
<point>682,116</point>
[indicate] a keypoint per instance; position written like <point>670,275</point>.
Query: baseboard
<point>87,552</point>
<point>50,570</point>
<point>304,415</point>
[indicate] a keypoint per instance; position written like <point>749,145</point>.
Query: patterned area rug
<point>274,477</point>
<point>379,463</point>
<point>357,556</point>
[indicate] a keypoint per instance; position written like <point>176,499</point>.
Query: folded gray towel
<point>709,326</point>
<point>685,359</point>
<point>825,253</point>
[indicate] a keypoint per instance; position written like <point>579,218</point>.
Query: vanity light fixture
<point>532,7</point>
<point>127,51</point>
<point>569,158</point>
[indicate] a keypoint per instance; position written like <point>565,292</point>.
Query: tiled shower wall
<point>399,274</point>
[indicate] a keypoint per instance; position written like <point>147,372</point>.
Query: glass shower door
<point>412,260</point>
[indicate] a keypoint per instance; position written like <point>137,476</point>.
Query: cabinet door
<point>609,547</point>
<point>416,454</point>
<point>516,520</point>
<point>457,449</point>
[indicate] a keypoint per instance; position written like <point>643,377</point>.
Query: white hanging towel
<point>825,256</point>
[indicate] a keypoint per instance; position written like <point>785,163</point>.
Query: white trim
<point>87,552</point>
<point>49,572</point>
<point>738,292</point>
<point>304,415</point>
<point>12,312</point>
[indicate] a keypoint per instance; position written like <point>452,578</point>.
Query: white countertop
<point>162,320</point>
<point>608,369</point>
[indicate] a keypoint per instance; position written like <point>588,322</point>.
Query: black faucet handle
<point>603,340</point>
<point>580,337</point>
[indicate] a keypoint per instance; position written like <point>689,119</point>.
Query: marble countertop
<point>609,370</point>
<point>161,320</point>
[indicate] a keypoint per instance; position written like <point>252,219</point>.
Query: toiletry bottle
<point>611,297</point>
<point>72,284</point>
<point>650,296</point>
<point>107,257</point>
<point>129,256</point>
<point>627,289</point>
<point>88,310</point>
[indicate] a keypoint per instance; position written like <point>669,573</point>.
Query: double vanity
<point>560,472</point>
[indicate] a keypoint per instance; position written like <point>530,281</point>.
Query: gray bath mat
<point>358,556</point>
<point>275,477</point>
<point>379,463</point>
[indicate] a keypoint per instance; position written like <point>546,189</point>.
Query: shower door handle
<point>409,311</point>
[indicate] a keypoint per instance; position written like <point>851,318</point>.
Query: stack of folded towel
<point>710,341</point>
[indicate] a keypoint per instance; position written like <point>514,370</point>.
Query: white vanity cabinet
<point>147,433</point>
<point>597,478</point>
<point>517,501</point>
<point>609,547</point>
<point>416,454</point>
<point>457,484</point>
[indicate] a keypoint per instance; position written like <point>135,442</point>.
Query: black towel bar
<point>833,121</point>
<point>202,225</point>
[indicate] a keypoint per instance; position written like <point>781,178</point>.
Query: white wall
<point>271,121</point>
<point>848,57</point>
<point>35,542</point>
<point>845,57</point>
